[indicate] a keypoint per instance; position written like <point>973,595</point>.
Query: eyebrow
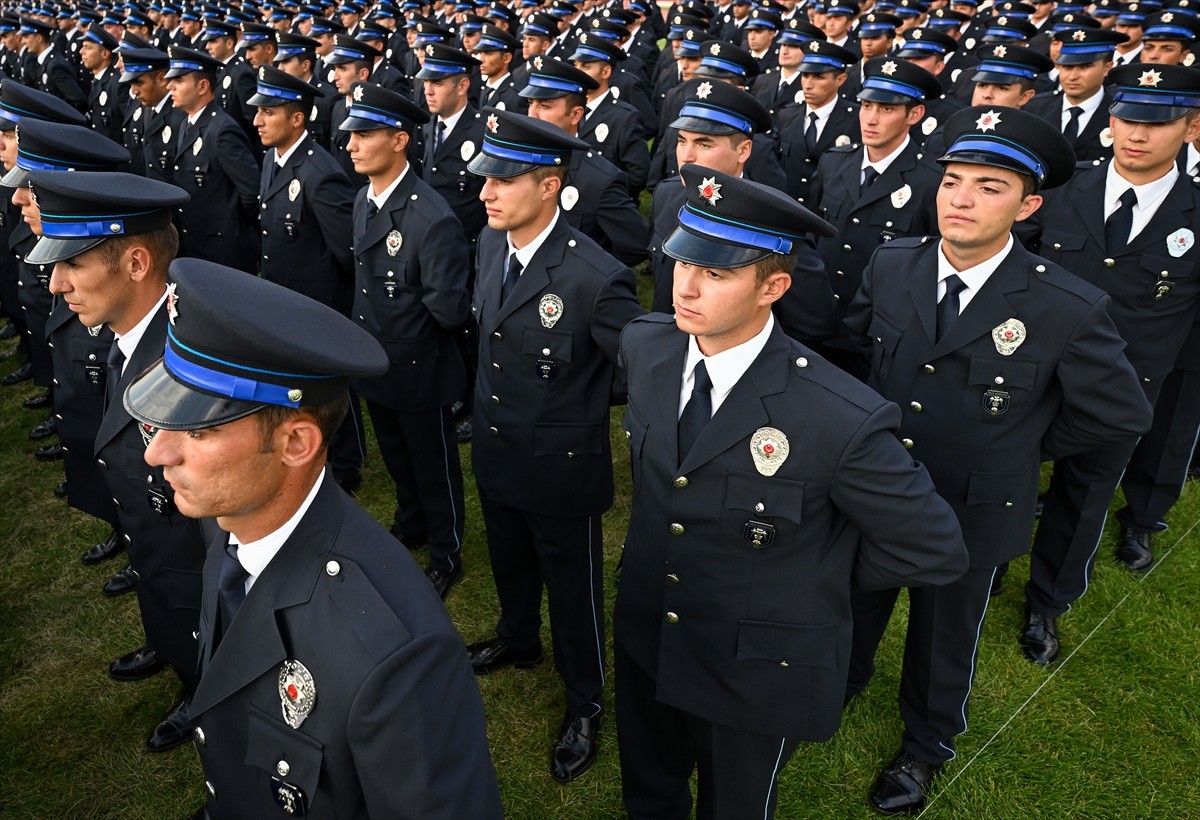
<point>995,180</point>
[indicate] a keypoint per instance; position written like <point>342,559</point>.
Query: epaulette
<point>842,149</point>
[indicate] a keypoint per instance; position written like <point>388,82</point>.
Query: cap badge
<point>1168,17</point>
<point>1008,336</point>
<point>550,309</point>
<point>689,34</point>
<point>769,448</point>
<point>394,241</point>
<point>297,692</point>
<point>197,145</point>
<point>901,196</point>
<point>493,123</point>
<point>715,49</point>
<point>1150,78</point>
<point>988,121</point>
<point>917,34</point>
<point>710,190</point>
<point>583,38</point>
<point>1002,21</point>
<point>293,189</point>
<point>166,133</point>
<point>147,431</point>
<point>602,131</point>
<point>537,63</point>
<point>1180,242</point>
<point>703,90</point>
<point>358,92</point>
<point>467,150</point>
<point>889,68</point>
<point>569,197</point>
<point>172,304</point>
<point>262,73</point>
<point>814,46</point>
<point>429,50</point>
<point>1079,35</point>
<point>1000,51</point>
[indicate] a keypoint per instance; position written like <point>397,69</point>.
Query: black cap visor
<point>157,398</point>
<point>49,250</point>
<point>1130,111</point>
<point>697,249</point>
<point>704,126</point>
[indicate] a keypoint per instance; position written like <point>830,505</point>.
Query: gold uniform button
<point>677,529</point>
<point>929,368</point>
<point>1108,263</point>
<point>908,443</point>
<point>672,618</point>
<point>681,482</point>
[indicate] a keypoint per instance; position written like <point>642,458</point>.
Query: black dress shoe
<point>1039,638</point>
<point>575,750</point>
<point>174,730</point>
<point>443,579</point>
<point>38,402</point>
<point>22,373</point>
<point>120,583</point>
<point>139,664</point>
<point>1133,550</point>
<point>490,655</point>
<point>901,788</point>
<point>464,432</point>
<point>106,549</point>
<point>51,452</point>
<point>44,430</point>
<point>60,489</point>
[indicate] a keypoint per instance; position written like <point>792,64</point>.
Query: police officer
<point>49,71</point>
<point>105,108</point>
<point>151,121</point>
<point>350,62</point>
<point>410,267</point>
<point>213,162</point>
<point>333,681</point>
<point>766,483</point>
<point>123,285</point>
<point>495,51</point>
<point>550,305</point>
<point>297,56</point>
<point>234,78</point>
<point>995,356</point>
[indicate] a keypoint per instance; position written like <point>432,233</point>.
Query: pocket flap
<point>270,743</point>
<point>790,643</point>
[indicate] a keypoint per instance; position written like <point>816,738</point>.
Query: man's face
<point>260,53</point>
<point>836,26</point>
<point>324,44</point>
<point>493,63</point>
<point>722,152</point>
<point>29,209</point>
<point>790,56</point>
<point>1041,10</point>
<point>345,75</point>
<point>722,308</point>
<point>532,45</point>
<point>469,41</point>
<point>759,39</point>
<point>741,11</point>
<point>964,8</point>
<point>874,46</point>
<point>36,43</point>
<point>190,27</point>
<point>933,64</point>
<point>1080,82</point>
<point>149,88</point>
<point>115,31</point>
<point>819,89</point>
<point>1008,94</point>
<point>598,70</point>
<point>1145,147</point>
<point>298,66</point>
<point>277,126</point>
<point>1134,33</point>
<point>977,204</point>
<point>688,66</point>
<point>95,290</point>
<point>515,202</point>
<point>185,92</point>
<point>883,125</point>
<point>1164,52</point>
<point>374,152</point>
<point>220,48</point>
<point>444,97</point>
<point>93,55</point>
<point>8,149</point>
<point>557,111</point>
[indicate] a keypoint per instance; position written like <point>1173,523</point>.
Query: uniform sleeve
<point>634,157</point>
<point>417,733</point>
<point>858,315</point>
<point>333,205</point>
<point>616,306</point>
<point>806,312</point>
<point>619,220</point>
<point>444,263</point>
<point>233,152</point>
<point>63,81</point>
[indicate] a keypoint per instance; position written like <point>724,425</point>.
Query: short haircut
<point>163,244</point>
<point>327,416</point>
<point>775,263</point>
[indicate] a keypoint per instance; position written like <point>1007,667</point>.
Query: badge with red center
<point>710,189</point>
<point>988,121</point>
<point>297,692</point>
<point>493,123</point>
<point>1008,336</point>
<point>769,448</point>
<point>550,310</point>
<point>147,433</point>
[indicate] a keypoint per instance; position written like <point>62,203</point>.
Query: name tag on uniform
<point>159,503</point>
<point>759,534</point>
<point>289,797</point>
<point>95,374</point>
<point>547,370</point>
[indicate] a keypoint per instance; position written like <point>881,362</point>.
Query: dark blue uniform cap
<point>79,211</point>
<point>550,79</point>
<point>821,57</point>
<point>593,49</point>
<point>927,42</point>
<point>607,29</point>
<point>432,33</point>
<point>185,61</point>
<point>764,19</point>
<point>275,87</point>
<point>1086,45</point>
<point>442,61</point>
<point>1172,25</point>
<point>237,343</point>
<point>891,81</point>
<point>1006,64</point>
<point>138,61</point>
<point>946,18</point>
<point>729,222</point>
<point>1071,20</point>
<point>253,33</point>
<point>19,102</point>
<point>323,25</point>
<point>1008,28</point>
<point>540,24</point>
<point>214,28</point>
<point>102,38</point>
<point>290,45</point>
<point>1151,92</point>
<point>720,108</point>
<point>370,32</point>
<point>130,41</point>
<point>346,50</point>
<point>514,144</point>
<point>727,61</point>
<point>877,24</point>
<point>493,38</point>
<point>1010,138</point>
<point>797,32</point>
<point>373,107</point>
<point>54,146</point>
<point>843,7</point>
<point>31,26</point>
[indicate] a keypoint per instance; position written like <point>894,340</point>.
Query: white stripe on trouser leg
<point>595,619</point>
<point>974,663</point>
<point>1099,537</point>
<point>774,776</point>
<point>449,489</point>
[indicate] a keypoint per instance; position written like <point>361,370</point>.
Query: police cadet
<point>48,70</point>
<point>350,62</point>
<point>106,103</point>
<point>151,120</point>
<point>877,191</point>
<point>234,78</point>
<point>411,268</point>
<point>495,51</point>
<point>822,119</point>
<point>595,197</point>
<point>1127,226</point>
<point>1084,58</point>
<point>550,304</point>
<point>123,285</point>
<point>876,33</point>
<point>1170,37</point>
<point>297,56</point>
<point>333,681</point>
<point>213,162</point>
<point>257,44</point>
<point>995,356</point>
<point>766,483</point>
<point>930,49</point>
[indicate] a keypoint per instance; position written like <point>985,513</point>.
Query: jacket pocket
<point>788,643</point>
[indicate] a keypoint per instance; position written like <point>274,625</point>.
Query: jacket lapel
<point>1172,214</point>
<point>285,175</point>
<point>1089,204</point>
<point>382,223</point>
<point>536,275</point>
<point>922,289</point>
<point>889,180</point>
<point>991,306</point>
<point>149,351</point>
<point>668,375</point>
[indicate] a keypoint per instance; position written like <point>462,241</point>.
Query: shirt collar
<point>973,277</point>
<point>1148,195</point>
<point>281,159</point>
<point>1193,160</point>
<point>45,55</point>
<point>452,120</point>
<point>1089,105</point>
<point>594,104</point>
<point>726,368</point>
<point>255,555</point>
<point>824,111</point>
<point>883,164</point>
<point>128,342</point>
<point>525,254</point>
<point>381,198</point>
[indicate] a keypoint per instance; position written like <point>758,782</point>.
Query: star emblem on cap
<point>916,35</point>
<point>1150,78</point>
<point>358,92</point>
<point>1000,51</point>
<point>493,123</point>
<point>689,34</point>
<point>710,190</point>
<point>537,63</point>
<point>678,20</point>
<point>420,27</point>
<point>715,50</point>
<point>814,46</point>
<point>1079,35</point>
<point>754,13</point>
<point>889,68</point>
<point>429,50</point>
<point>703,90</point>
<point>1069,18</point>
<point>988,121</point>
<point>1168,17</point>
<point>1002,21</point>
<point>262,73</point>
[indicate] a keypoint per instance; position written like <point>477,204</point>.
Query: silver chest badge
<point>166,134</point>
<point>297,692</point>
<point>550,309</point>
<point>467,151</point>
<point>197,145</point>
<point>769,448</point>
<point>1008,336</point>
<point>901,196</point>
<point>569,197</point>
<point>293,189</point>
<point>1180,242</point>
<point>602,131</point>
<point>394,241</point>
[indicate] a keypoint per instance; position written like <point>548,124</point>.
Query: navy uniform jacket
<point>57,76</point>
<point>216,166</point>
<point>341,143</point>
<point>630,88</point>
<point>766,89</point>
<point>410,293</point>
<point>615,131</point>
<point>10,63</point>
<point>235,85</point>
<point>982,421</point>
<point>758,638</point>
<point>1154,281</point>
<point>842,128</point>
<point>33,294</point>
<point>763,166</point>
<point>542,395</point>
<point>159,130</point>
<point>105,106</point>
<point>166,549</point>
<point>446,171</point>
<point>937,111</point>
<point>507,97</point>
<point>396,728</point>
<point>596,200</point>
<point>1090,144</point>
<point>305,215</point>
<point>320,120</point>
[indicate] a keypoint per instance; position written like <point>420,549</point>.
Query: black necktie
<point>112,377</point>
<point>1120,222</point>
<point>810,135</point>
<point>510,277</point>
<point>231,589</point>
<point>697,412</point>
<point>1071,130</point>
<point>439,134</point>
<point>372,209</point>
<point>869,176</point>
<point>947,308</point>
<point>783,93</point>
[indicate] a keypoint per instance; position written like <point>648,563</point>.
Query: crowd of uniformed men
<point>832,184</point>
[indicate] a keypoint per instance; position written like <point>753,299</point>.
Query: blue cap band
<point>96,226</point>
<point>491,44</point>
<point>351,53</point>
<point>292,51</point>
<point>545,81</point>
<point>375,115</point>
<point>702,111</point>
<point>1098,49</point>
<point>882,28</point>
<point>591,52</point>
<point>533,28</point>
<point>1179,31</point>
<point>1144,97</point>
<point>1128,19</point>
<point>443,67</point>
<point>278,93</point>
<point>689,48</point>
<point>226,384</point>
<point>996,145</point>
<point>895,86</point>
<point>254,36</point>
<point>725,65</point>
<point>500,150</point>
<point>605,35</point>
<point>735,232</point>
<point>137,68</point>
<point>190,66</point>
<point>28,162</point>
<point>1007,68</point>
<point>833,62</point>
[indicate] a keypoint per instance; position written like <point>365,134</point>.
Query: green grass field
<point>1111,731</point>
